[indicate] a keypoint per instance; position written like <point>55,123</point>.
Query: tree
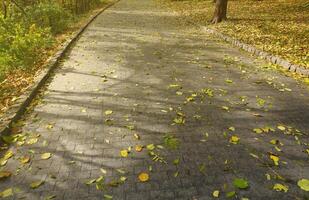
<point>220,11</point>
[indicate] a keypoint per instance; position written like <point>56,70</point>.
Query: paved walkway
<point>159,79</point>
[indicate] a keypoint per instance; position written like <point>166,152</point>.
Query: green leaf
<point>176,161</point>
<point>240,183</point>
<point>230,194</point>
<point>150,147</point>
<point>303,184</point>
<point>106,196</point>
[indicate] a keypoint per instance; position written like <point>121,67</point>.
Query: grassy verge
<point>27,50</point>
<point>280,27</point>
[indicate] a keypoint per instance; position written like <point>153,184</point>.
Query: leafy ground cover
<point>27,41</point>
<point>278,27</point>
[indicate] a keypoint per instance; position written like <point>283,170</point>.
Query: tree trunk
<point>220,11</point>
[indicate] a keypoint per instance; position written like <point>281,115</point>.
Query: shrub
<point>49,15</point>
<point>21,46</point>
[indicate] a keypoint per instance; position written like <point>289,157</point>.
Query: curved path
<point>161,78</point>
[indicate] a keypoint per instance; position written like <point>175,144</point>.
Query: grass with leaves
<point>279,27</point>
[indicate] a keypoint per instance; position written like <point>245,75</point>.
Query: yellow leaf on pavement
<point>124,153</point>
<point>143,177</point>
<point>46,156</point>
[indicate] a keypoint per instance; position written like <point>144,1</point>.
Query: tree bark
<point>220,11</point>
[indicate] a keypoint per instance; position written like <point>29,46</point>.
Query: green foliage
<point>49,15</point>
<point>21,46</point>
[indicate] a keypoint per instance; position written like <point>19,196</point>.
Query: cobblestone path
<point>137,76</point>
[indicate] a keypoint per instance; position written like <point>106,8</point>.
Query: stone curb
<point>267,56</point>
<point>16,111</point>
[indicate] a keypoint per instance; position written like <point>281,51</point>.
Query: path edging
<point>16,111</point>
<point>262,54</point>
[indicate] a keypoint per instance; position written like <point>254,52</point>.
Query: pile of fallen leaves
<point>278,27</point>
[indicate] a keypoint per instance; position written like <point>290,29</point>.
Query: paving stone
<point>140,49</point>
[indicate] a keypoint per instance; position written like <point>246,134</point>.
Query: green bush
<point>49,15</point>
<point>21,46</point>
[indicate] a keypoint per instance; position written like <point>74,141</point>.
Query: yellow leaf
<point>108,112</point>
<point>24,159</point>
<point>124,153</point>
<point>36,184</point>
<point>216,193</point>
<point>150,147</point>
<point>46,156</point>
<point>232,128</point>
<point>5,174</point>
<point>225,108</point>
<point>143,177</point>
<point>138,148</point>
<point>6,193</point>
<point>137,136</point>
<point>258,130</point>
<point>303,184</point>
<point>280,187</point>
<point>234,139</point>
<point>8,155</point>
<point>275,159</point>
<point>32,141</point>
<point>282,128</point>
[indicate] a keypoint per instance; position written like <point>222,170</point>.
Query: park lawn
<point>280,27</point>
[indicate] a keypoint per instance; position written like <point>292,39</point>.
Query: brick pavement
<point>139,61</point>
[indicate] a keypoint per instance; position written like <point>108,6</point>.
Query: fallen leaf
<point>108,112</point>
<point>303,184</point>
<point>150,147</point>
<point>32,141</point>
<point>275,159</point>
<point>138,148</point>
<point>24,159</point>
<point>8,155</point>
<point>91,181</point>
<point>231,128</point>
<point>234,139</point>
<point>36,184</point>
<point>225,108</point>
<point>230,194</point>
<point>6,193</point>
<point>240,183</point>
<point>258,130</point>
<point>103,171</point>
<point>136,136</point>
<point>281,128</point>
<point>280,187</point>
<point>176,161</point>
<point>46,156</point>
<point>106,196</point>
<point>143,177</point>
<point>124,153</point>
<point>216,193</point>
<point>50,197</point>
<point>5,174</point>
